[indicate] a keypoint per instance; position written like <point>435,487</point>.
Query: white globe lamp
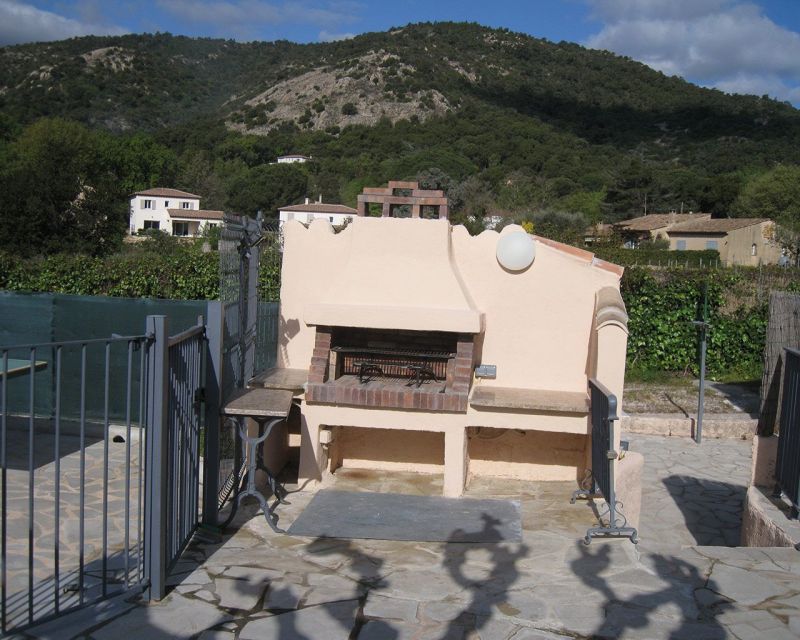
<point>516,251</point>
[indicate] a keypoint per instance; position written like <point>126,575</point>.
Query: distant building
<point>599,232</point>
<point>740,241</point>
<point>653,226</point>
<point>336,214</point>
<point>292,157</point>
<point>178,213</point>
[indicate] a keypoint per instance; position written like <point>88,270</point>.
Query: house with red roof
<point>176,212</point>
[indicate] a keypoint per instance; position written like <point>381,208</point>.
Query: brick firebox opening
<point>380,368</point>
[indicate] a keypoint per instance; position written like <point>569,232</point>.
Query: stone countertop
<point>485,397</point>
<point>260,403</point>
<point>277,378</point>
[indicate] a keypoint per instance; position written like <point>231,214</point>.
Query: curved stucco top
<point>610,309</point>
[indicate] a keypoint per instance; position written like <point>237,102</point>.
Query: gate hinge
<point>199,395</point>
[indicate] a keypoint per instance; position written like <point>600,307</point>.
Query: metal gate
<point>72,489</point>
<point>92,509</point>
<point>248,248</point>
<point>604,458</point>
<point>787,465</point>
<point>176,388</point>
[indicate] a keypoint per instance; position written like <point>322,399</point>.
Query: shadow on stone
<point>712,510</point>
<point>684,591</point>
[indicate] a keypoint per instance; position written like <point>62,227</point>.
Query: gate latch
<point>199,397</point>
<point>612,455</point>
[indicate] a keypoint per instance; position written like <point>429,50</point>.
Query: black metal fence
<point>92,508</point>
<point>71,495</point>
<point>787,466</point>
<point>604,459</point>
<point>175,385</point>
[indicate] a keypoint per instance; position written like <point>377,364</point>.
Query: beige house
<point>740,241</point>
<point>654,226</point>
<point>425,353</point>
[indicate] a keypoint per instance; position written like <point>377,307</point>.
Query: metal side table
<point>268,407</point>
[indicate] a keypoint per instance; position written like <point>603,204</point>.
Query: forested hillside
<point>502,121</point>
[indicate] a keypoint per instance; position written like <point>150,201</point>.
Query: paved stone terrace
<point>254,584</point>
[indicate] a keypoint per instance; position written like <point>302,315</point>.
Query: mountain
<point>492,115</point>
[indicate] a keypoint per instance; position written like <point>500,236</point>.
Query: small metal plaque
<point>486,371</point>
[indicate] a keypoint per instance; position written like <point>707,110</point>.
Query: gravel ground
<point>679,395</point>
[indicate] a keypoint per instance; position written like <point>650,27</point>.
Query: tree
<point>266,187</point>
<point>774,194</point>
<point>57,194</point>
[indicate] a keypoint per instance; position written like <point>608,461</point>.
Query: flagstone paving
<point>681,582</point>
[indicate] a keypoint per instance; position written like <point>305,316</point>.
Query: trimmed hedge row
<point>185,273</point>
<point>661,303</point>
<point>656,257</point>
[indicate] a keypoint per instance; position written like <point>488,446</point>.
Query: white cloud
<point>20,22</point>
<point>246,18</point>
<point>727,44</point>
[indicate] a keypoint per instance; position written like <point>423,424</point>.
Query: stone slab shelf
<point>260,403</point>
<point>293,380</point>
<point>576,402</point>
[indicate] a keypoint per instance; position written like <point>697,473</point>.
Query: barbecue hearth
<point>387,368</point>
<point>391,316</point>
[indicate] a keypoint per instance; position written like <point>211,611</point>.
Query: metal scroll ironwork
<point>604,458</point>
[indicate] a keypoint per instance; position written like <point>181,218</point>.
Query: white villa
<point>176,212</point>
<point>292,158</point>
<point>336,214</point>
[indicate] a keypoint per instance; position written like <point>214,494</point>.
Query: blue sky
<point>742,46</point>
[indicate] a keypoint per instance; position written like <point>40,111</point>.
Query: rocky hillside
<point>151,81</point>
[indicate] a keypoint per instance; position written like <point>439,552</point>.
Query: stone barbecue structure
<point>423,353</point>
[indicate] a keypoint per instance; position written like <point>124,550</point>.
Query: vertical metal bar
<point>31,445</point>
<point>703,345</point>
<point>106,436</point>
<point>57,497</point>
<point>213,387</point>
<point>4,497</point>
<point>82,480</point>
<point>612,491</point>
<point>144,376</point>
<point>128,391</point>
<point>157,454</point>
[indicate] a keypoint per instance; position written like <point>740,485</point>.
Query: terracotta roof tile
<point>195,214</point>
<point>320,207</point>
<point>159,192</point>
<point>659,220</point>
<point>718,225</point>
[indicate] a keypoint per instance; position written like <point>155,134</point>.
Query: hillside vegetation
<point>502,121</point>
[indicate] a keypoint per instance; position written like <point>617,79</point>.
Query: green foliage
<point>151,270</point>
<point>540,126</point>
<point>662,305</point>
<point>774,194</point>
<point>655,256</point>
<point>58,192</point>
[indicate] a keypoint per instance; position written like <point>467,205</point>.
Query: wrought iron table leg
<point>253,460</point>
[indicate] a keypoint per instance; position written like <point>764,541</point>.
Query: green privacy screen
<point>45,318</point>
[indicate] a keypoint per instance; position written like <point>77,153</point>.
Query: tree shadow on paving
<point>698,615</point>
<point>491,590</point>
<point>712,510</point>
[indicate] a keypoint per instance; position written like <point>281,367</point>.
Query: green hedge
<point>661,303</point>
<point>656,257</point>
